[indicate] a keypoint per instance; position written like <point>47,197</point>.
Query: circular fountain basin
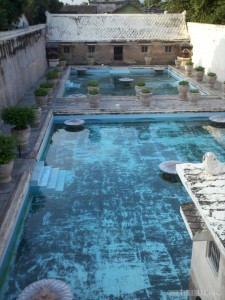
<point>75,124</point>
<point>219,120</point>
<point>169,167</point>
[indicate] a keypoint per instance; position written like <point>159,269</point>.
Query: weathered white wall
<point>22,62</point>
<point>202,275</point>
<point>208,47</point>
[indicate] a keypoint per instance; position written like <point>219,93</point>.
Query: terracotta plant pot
<point>188,69</point>
<point>37,117</point>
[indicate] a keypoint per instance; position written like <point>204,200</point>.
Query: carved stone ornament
<point>212,165</point>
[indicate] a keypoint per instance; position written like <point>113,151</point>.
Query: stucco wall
<point>202,276</point>
<point>22,62</point>
<point>209,47</point>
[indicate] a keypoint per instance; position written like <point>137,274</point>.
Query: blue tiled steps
<point>48,177</point>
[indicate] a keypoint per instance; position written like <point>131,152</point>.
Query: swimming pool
<point>113,230</point>
<point>160,83</point>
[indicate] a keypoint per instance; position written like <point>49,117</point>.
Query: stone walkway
<point>109,105</point>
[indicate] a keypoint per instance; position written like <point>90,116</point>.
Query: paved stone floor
<point>159,104</point>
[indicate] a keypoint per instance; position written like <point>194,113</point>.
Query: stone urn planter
<point>189,67</point>
<point>138,88</point>
<point>145,97</point>
<point>49,87</point>
<point>62,61</point>
<point>199,73</point>
<point>148,60</point>
<point>7,146</point>
<point>211,79</point>
<point>53,76</point>
<point>93,85</point>
<point>21,118</point>
<point>178,63</point>
<point>41,97</point>
<point>193,95</point>
<point>94,98</point>
<point>53,62</point>
<point>183,88</point>
<point>37,117</point>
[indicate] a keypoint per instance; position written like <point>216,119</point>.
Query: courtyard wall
<point>22,62</point>
<point>208,47</point>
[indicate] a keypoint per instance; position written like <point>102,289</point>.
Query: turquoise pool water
<point>110,227</point>
<point>160,84</point>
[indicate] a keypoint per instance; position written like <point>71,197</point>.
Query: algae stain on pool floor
<point>116,231</point>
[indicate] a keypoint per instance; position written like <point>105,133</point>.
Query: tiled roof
<point>121,27</point>
<point>11,34</point>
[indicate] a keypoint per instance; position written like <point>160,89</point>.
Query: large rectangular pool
<point>107,221</point>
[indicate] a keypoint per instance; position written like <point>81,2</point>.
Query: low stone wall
<point>208,47</point>
<point>22,62</point>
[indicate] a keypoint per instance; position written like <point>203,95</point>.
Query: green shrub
<point>20,117</point>
<point>62,58</point>
<point>145,91</point>
<point>41,92</point>
<point>211,74</point>
<point>46,85</point>
<point>199,68</point>
<point>189,63</point>
<point>183,82</point>
<point>94,92</point>
<point>194,91</point>
<point>140,83</point>
<point>53,74</point>
<point>93,83</point>
<point>7,147</point>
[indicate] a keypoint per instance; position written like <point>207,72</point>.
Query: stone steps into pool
<point>47,177</point>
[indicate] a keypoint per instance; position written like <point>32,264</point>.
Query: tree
<point>201,11</point>
<point>10,11</point>
<point>36,9</point>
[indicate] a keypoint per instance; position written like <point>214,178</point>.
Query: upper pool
<point>106,221</point>
<point>160,82</point>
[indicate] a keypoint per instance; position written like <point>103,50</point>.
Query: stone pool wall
<point>22,62</point>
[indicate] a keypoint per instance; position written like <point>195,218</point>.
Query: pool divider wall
<point>12,224</point>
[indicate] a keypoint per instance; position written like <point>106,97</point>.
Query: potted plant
<point>193,94</point>
<point>199,73</point>
<point>145,96</point>
<point>93,85</point>
<point>94,98</point>
<point>183,88</point>
<point>7,148</point>
<point>37,116</point>
<point>211,79</point>
<point>189,67</point>
<point>62,61</point>
<point>138,87</point>
<point>41,97</point>
<point>53,76</point>
<point>20,118</point>
<point>49,87</point>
